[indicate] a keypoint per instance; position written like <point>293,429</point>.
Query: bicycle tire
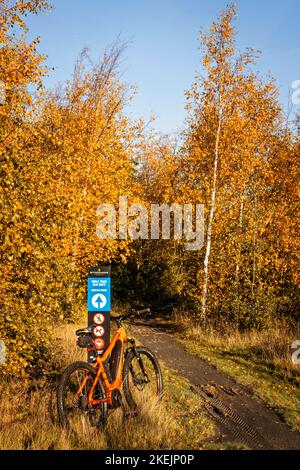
<point>61,392</point>
<point>130,356</point>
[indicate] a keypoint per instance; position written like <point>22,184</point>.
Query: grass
<point>260,360</point>
<point>28,414</point>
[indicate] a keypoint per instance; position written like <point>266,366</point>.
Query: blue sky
<point>162,56</point>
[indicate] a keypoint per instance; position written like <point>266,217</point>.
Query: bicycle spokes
<point>76,399</point>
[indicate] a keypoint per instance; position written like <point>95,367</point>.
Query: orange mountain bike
<point>88,391</point>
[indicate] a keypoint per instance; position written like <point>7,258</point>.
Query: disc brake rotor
<point>139,382</point>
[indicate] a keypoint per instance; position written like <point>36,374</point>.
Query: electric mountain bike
<point>88,391</point>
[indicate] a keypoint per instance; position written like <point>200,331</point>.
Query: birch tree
<point>233,115</point>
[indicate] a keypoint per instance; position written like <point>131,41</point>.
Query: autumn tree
<point>21,66</point>
<point>63,154</point>
<point>155,271</point>
<point>85,157</point>
<point>233,119</point>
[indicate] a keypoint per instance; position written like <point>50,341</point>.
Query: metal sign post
<point>99,297</point>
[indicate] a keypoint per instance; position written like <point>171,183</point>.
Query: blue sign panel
<point>98,300</point>
<point>99,294</point>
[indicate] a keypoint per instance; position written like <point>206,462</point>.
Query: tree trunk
<point>211,218</point>
<point>254,252</point>
<point>238,259</point>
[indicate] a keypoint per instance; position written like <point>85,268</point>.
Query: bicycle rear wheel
<point>72,398</point>
<point>142,378</point>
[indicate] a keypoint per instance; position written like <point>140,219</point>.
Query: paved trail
<point>240,416</point>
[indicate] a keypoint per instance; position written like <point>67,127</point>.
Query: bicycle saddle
<point>84,331</point>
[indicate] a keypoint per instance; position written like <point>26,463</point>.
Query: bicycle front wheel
<point>74,411</point>
<point>142,378</point>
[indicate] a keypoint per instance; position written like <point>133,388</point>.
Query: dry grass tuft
<point>269,348</point>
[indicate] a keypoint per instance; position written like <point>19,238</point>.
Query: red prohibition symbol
<point>99,343</point>
<point>98,319</point>
<point>98,331</point>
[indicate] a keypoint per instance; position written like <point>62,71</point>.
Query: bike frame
<point>116,384</point>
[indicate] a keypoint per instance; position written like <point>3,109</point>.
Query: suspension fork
<point>140,360</point>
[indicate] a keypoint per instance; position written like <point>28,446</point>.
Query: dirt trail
<point>240,416</point>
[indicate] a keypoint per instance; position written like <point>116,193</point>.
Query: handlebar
<point>133,313</point>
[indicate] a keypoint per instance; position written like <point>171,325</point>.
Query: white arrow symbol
<point>99,301</point>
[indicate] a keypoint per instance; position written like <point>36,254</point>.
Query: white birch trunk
<point>238,261</point>
<point>211,218</point>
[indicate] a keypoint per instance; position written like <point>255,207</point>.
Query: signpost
<point>99,297</point>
